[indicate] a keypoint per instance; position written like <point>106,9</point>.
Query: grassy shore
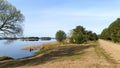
<point>5,58</point>
<point>51,51</point>
<point>63,55</point>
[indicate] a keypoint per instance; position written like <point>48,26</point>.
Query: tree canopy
<point>60,35</point>
<point>80,35</point>
<point>10,20</point>
<point>112,32</point>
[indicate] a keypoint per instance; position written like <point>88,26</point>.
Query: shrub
<point>60,36</point>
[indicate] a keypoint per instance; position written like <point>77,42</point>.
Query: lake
<point>14,48</point>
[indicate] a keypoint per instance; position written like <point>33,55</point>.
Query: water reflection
<point>9,42</point>
<point>15,48</point>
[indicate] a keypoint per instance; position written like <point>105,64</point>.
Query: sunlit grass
<point>101,53</point>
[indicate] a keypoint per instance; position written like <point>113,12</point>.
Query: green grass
<point>101,53</point>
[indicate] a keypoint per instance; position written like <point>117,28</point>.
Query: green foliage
<point>77,35</point>
<point>112,32</point>
<point>60,35</point>
<point>105,34</point>
<point>94,36</point>
<point>115,30</point>
<point>80,35</point>
<point>91,36</point>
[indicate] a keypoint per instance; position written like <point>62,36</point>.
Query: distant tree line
<point>78,35</point>
<point>112,32</point>
<point>45,38</point>
<point>29,38</point>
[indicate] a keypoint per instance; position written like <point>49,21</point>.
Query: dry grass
<point>57,55</point>
<point>42,46</point>
<point>102,53</point>
<point>75,56</point>
<point>111,48</point>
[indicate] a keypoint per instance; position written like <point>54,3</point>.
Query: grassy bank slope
<point>65,56</point>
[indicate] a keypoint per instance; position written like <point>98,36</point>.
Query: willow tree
<point>10,20</point>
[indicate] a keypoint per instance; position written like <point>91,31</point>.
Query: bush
<point>80,35</point>
<point>60,36</point>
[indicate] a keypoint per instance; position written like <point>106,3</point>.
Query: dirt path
<point>111,48</point>
<point>89,60</point>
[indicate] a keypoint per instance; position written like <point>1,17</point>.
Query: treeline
<point>77,35</point>
<point>112,32</point>
<point>45,38</point>
<point>36,38</point>
<point>80,35</point>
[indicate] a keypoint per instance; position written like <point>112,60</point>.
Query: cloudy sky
<point>45,17</point>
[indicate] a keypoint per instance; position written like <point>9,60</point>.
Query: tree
<point>114,29</point>
<point>60,36</point>
<point>10,20</point>
<point>105,34</point>
<point>94,37</point>
<point>78,35</point>
<point>89,35</point>
<point>112,32</point>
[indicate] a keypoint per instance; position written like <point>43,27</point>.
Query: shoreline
<point>39,46</point>
<point>32,48</point>
<point>65,56</point>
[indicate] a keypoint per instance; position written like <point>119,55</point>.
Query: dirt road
<point>111,48</point>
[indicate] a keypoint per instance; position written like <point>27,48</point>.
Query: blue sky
<point>45,17</point>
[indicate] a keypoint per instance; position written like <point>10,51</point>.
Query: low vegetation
<point>5,58</point>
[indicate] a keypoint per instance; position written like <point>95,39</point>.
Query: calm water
<point>14,48</point>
